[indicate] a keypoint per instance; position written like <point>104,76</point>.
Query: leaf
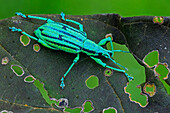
<point>140,34</point>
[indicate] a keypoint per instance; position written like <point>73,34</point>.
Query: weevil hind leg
<point>34,17</point>
<point>68,20</point>
<point>62,85</point>
<point>105,65</point>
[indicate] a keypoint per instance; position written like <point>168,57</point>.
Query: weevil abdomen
<point>61,36</point>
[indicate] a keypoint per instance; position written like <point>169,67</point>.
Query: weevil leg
<point>103,42</point>
<point>35,17</point>
<point>23,32</point>
<point>105,65</point>
<point>117,63</point>
<point>62,85</point>
<point>121,51</point>
<point>68,20</point>
<point>46,45</point>
<point>34,38</point>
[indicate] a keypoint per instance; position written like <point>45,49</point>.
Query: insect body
<point>59,36</point>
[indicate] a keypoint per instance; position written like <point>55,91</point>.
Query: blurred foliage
<point>85,7</point>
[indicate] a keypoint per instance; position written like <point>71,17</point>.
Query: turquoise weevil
<point>59,36</point>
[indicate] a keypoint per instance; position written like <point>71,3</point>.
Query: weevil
<point>60,36</point>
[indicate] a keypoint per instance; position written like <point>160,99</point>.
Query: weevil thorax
<point>93,49</point>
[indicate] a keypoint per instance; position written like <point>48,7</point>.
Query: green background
<point>85,7</point>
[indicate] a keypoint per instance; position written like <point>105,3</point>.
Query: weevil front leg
<point>105,65</point>
<point>109,39</point>
<point>34,38</point>
<point>35,17</point>
<point>105,40</point>
<point>68,20</point>
<point>24,33</point>
<point>62,85</point>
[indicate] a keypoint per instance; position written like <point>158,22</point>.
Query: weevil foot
<point>15,29</point>
<point>62,15</point>
<point>129,77</point>
<point>62,85</point>
<point>20,14</point>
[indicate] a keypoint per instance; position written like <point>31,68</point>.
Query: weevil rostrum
<point>60,36</point>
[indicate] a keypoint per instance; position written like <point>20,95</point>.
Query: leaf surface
<point>140,34</point>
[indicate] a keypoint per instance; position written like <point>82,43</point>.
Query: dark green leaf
<point>140,34</point>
